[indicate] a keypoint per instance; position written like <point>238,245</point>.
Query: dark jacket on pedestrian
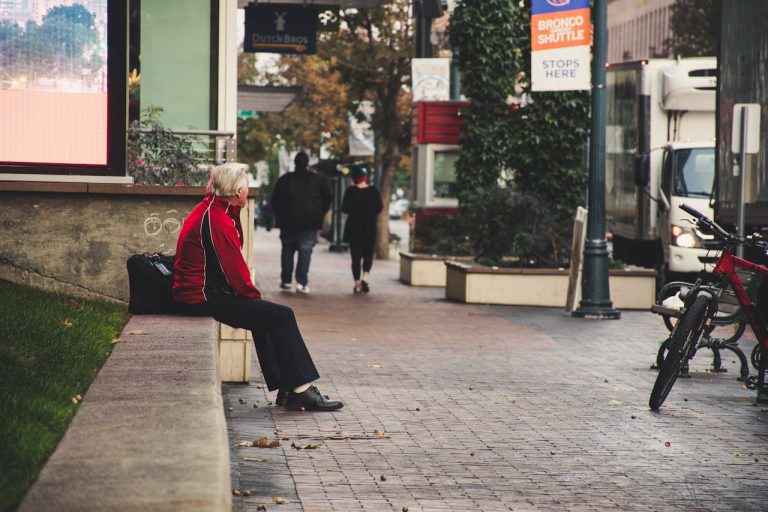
<point>362,206</point>
<point>300,200</point>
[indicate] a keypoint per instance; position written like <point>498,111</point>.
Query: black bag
<point>150,279</point>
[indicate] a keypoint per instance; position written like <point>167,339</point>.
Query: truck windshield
<point>694,172</point>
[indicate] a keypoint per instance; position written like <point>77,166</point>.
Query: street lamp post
<point>595,296</point>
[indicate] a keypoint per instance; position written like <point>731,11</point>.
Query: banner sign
<point>280,29</point>
<point>361,136</point>
<point>560,44</point>
<point>431,79</point>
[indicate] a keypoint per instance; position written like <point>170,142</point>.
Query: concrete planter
<point>424,269</point>
<point>477,284</point>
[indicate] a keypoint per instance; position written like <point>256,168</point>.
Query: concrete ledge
<point>150,433</point>
<point>425,269</point>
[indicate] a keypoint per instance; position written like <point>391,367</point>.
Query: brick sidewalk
<point>488,408</point>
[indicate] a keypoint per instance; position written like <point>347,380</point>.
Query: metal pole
<point>337,227</point>
<point>741,212</point>
<point>596,298</point>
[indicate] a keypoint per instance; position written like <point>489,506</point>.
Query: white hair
<point>227,178</point>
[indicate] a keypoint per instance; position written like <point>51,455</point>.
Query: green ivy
<point>540,147</point>
<point>487,34</point>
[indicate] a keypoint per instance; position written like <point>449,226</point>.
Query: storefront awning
<point>265,98</point>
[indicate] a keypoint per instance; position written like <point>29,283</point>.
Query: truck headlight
<point>684,237</point>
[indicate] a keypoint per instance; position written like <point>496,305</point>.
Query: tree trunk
<point>388,168</point>
<point>390,159</point>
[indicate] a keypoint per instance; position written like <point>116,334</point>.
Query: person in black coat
<point>362,204</point>
<point>299,202</point>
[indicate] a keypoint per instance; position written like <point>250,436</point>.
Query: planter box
<point>477,284</point>
<point>424,269</point>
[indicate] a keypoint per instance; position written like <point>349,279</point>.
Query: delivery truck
<point>660,152</point>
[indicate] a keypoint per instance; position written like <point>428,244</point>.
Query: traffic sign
<point>247,114</point>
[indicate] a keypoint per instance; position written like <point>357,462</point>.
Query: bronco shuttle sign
<point>560,41</point>
<point>280,29</point>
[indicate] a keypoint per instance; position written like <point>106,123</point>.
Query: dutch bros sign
<point>560,41</point>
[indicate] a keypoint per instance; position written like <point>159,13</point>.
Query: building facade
<point>637,29</point>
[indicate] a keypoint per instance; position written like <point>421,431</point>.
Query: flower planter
<point>477,284</point>
<point>424,269</point>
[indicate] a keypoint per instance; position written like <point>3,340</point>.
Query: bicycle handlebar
<point>712,225</point>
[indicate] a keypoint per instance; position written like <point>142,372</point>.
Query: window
<point>444,183</point>
<point>694,172</point>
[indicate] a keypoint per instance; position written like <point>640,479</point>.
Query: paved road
<point>453,407</point>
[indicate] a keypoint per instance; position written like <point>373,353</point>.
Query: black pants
<point>283,356</point>
<point>361,250</point>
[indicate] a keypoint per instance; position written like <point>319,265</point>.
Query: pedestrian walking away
<point>211,278</point>
<point>362,204</point>
<point>299,202</point>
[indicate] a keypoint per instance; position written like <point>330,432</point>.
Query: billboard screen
<point>53,83</point>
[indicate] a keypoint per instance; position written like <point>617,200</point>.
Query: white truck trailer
<point>660,152</point>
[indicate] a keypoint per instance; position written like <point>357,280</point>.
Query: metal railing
<point>210,146</point>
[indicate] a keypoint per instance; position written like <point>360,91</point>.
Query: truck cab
<point>687,176</point>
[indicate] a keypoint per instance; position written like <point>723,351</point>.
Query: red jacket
<point>208,256</point>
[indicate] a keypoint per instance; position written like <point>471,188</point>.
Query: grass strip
<point>51,348</point>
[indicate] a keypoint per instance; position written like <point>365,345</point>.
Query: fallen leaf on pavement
<point>261,506</point>
<point>305,447</point>
<point>116,341</point>
<point>380,432</point>
<point>615,402</point>
<point>254,459</point>
<point>138,333</point>
<point>374,366</point>
<point>263,442</point>
<point>279,500</point>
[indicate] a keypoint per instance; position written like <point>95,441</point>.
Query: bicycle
<point>723,333</point>
<point>701,307</point>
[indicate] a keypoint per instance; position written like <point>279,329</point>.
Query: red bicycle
<point>701,305</point>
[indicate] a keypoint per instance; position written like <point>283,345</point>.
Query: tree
<point>367,58</point>
<point>695,28</point>
<point>524,159</point>
<point>373,49</point>
<point>317,116</point>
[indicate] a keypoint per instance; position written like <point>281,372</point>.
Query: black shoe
<point>282,397</point>
<point>311,400</point>
<point>364,286</point>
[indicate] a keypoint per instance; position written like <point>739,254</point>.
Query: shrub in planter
<point>446,235</point>
<point>508,222</point>
<point>538,142</point>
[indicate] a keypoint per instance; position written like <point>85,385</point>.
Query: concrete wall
<point>75,238</point>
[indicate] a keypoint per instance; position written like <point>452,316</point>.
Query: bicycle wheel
<point>683,339</point>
